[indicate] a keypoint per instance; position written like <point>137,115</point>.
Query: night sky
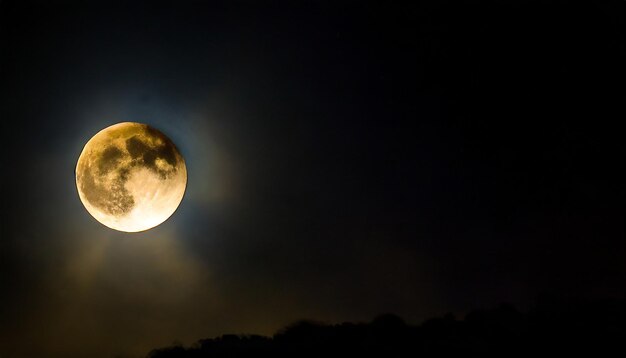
<point>345,159</point>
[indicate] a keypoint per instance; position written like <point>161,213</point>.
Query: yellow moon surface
<point>130,177</point>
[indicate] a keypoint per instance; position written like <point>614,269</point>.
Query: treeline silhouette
<point>550,328</point>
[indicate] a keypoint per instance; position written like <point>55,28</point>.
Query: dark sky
<point>345,159</point>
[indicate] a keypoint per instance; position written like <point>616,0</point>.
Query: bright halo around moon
<point>130,177</point>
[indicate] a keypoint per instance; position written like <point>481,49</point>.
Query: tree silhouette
<point>559,328</point>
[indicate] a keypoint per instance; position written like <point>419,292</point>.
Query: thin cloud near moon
<point>131,177</point>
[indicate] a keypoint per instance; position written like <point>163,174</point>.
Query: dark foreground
<point>593,329</point>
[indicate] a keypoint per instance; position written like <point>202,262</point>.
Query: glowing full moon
<point>130,177</point>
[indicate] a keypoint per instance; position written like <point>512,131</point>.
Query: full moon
<point>130,177</point>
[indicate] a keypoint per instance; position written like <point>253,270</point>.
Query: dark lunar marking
<point>167,152</point>
<point>154,133</point>
<point>149,159</point>
<point>163,174</point>
<point>116,200</point>
<point>120,201</point>
<point>124,173</point>
<point>143,154</point>
<point>109,159</point>
<point>136,147</point>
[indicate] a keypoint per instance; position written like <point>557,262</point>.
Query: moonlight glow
<point>130,177</point>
